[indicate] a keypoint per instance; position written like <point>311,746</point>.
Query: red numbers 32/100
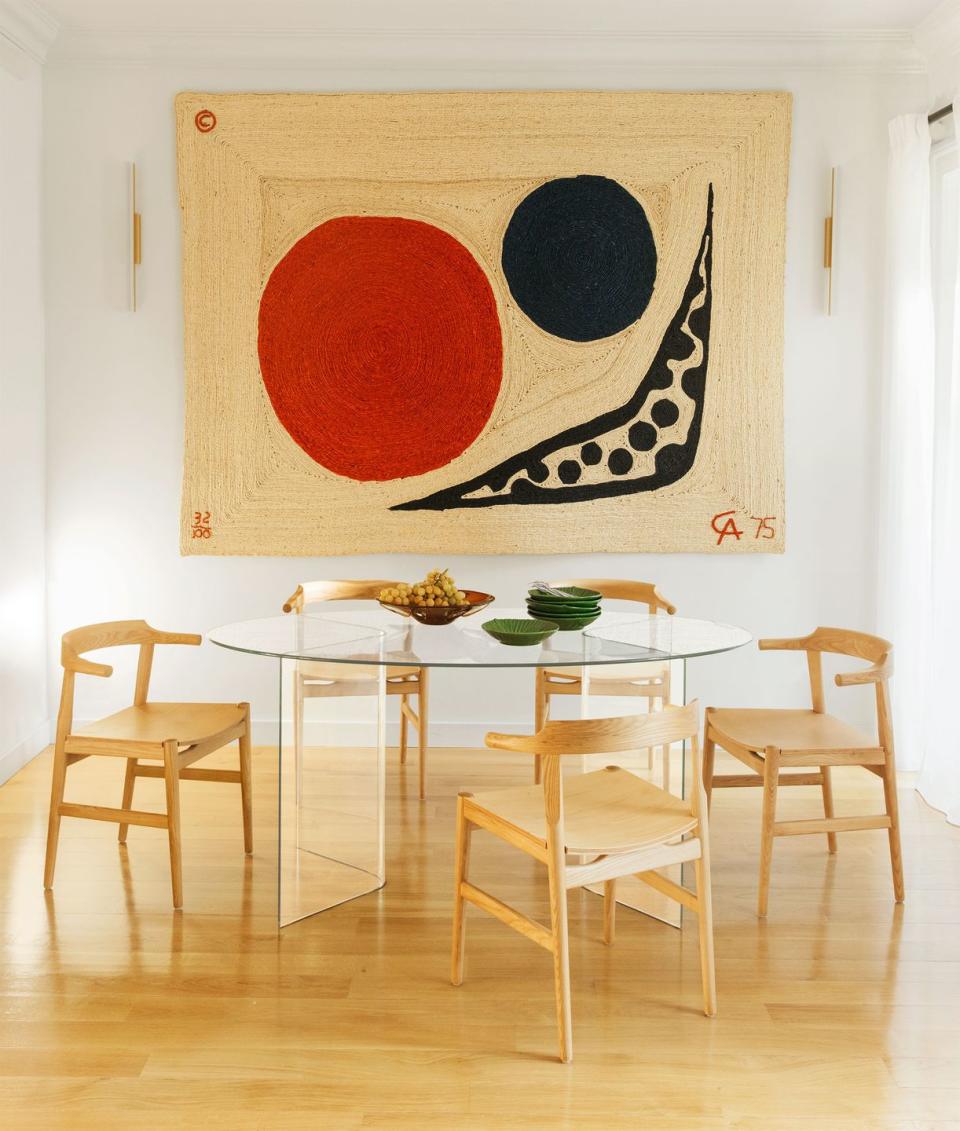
<point>201,524</point>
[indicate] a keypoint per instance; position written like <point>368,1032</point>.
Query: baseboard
<point>347,733</point>
<point>14,760</point>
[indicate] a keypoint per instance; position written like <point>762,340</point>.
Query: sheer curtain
<point>904,519</point>
<point>939,782</point>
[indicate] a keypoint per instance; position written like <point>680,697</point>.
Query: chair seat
<point>349,673</point>
<point>757,728</point>
<point>152,724</point>
<point>613,673</point>
<point>604,811</point>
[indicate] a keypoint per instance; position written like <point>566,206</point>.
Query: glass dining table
<point>331,748</point>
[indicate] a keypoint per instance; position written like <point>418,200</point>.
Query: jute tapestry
<point>483,322</point>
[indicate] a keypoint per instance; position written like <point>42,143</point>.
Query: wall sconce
<point>828,240</point>
<point>135,246</point>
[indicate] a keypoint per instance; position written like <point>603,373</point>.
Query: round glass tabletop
<point>380,637</point>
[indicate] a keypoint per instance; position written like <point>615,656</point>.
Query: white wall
<point>115,388</point>
<point>23,649</point>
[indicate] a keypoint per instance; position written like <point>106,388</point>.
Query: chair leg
<point>171,777</point>
<point>827,787</point>
<point>664,701</point>
<point>540,709</point>
<point>609,911</point>
<point>708,971</point>
<point>423,713</point>
<point>464,830</point>
<point>561,948</point>
<point>709,756</point>
<point>893,833</point>
<point>53,826</point>
<point>246,784</point>
<point>771,774</point>
<point>404,722</point>
<point>129,778</point>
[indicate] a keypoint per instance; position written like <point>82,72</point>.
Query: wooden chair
<point>316,680</point>
<point>769,741</point>
<point>650,681</point>
<point>158,740</point>
<point>627,825</point>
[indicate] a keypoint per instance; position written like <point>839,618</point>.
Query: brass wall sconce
<point>135,244</point>
<point>828,240</point>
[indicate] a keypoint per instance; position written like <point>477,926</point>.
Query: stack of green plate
<point>574,610</point>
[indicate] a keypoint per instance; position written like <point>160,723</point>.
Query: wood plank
<point>509,915</point>
<point>829,825</point>
<point>121,816</point>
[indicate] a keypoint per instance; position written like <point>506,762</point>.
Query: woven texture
<point>483,322</point>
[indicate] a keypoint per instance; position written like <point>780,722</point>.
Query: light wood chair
<point>158,740</point>
<point>769,741</point>
<point>650,681</point>
<point>627,825</point>
<point>316,680</point>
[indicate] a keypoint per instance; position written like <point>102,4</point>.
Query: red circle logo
<point>205,120</point>
<point>380,346</point>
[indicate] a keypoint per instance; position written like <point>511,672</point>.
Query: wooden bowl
<point>438,614</point>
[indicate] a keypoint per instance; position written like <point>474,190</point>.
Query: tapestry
<point>483,322</point>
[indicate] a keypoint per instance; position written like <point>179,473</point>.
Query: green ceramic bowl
<point>519,632</point>
<point>573,595</point>
<point>566,623</point>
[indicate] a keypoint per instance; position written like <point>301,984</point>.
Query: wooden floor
<point>842,1011</point>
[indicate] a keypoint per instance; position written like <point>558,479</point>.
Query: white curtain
<point>904,518</point>
<point>939,782</point>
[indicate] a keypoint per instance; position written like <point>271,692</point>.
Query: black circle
<point>538,472</point>
<point>591,454</point>
<point>579,257</point>
<point>569,471</point>
<point>665,413</point>
<point>642,436</point>
<point>620,461</point>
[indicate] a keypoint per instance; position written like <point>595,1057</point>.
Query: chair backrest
<point>847,642</point>
<point>313,592</point>
<point>605,736</point>
<point>110,634</point>
<point>614,589</point>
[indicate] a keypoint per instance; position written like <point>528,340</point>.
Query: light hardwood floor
<point>840,1012</point>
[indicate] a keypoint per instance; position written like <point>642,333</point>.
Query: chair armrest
<point>792,643</point>
<point>294,603</point>
<point>176,637</point>
<point>874,674</point>
<point>519,743</point>
<point>87,667</point>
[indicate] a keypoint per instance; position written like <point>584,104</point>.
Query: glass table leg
<point>332,771</point>
<point>631,892</point>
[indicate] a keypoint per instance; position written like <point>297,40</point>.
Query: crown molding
<point>27,29</point>
<point>492,49</point>
<point>938,35</point>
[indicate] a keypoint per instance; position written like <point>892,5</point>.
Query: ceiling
<point>635,16</point>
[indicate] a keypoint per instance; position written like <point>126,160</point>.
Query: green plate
<point>569,624</point>
<point>548,612</point>
<point>574,595</point>
<point>519,632</point>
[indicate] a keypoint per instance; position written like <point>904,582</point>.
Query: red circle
<point>205,120</point>
<point>380,346</point>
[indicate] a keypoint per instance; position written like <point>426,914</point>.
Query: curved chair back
<point>605,736</point>
<point>313,592</point>
<point>614,589</point>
